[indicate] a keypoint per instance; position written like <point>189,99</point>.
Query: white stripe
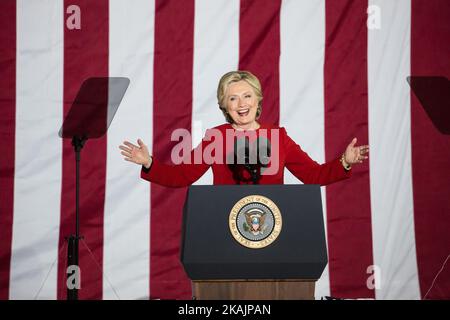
<point>216,51</point>
<point>390,160</point>
<point>37,181</point>
<point>301,86</point>
<point>127,203</point>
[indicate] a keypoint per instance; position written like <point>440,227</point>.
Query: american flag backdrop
<point>331,70</point>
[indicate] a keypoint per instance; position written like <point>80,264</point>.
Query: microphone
<point>250,159</point>
<point>264,151</point>
<point>241,151</point>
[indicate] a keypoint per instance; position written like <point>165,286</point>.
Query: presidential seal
<point>255,221</point>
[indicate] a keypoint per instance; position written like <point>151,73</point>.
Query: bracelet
<point>347,167</point>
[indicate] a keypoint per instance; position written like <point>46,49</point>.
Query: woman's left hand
<point>354,154</point>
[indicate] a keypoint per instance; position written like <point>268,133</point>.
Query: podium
<point>253,242</point>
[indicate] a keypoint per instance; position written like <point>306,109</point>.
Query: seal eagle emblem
<point>255,221</point>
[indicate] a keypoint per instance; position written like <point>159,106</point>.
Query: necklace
<point>241,129</point>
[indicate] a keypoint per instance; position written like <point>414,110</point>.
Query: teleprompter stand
<point>88,118</point>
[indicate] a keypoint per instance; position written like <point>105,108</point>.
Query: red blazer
<point>290,155</point>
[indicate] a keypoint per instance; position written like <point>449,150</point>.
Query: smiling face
<point>241,103</point>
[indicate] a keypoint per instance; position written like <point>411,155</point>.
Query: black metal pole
<point>72,260</point>
<point>73,240</point>
<point>77,192</point>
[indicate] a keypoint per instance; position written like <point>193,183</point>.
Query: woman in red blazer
<point>239,96</point>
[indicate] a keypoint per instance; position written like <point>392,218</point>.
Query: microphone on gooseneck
<point>252,162</point>
<point>264,151</point>
<point>241,151</point>
<point>245,160</point>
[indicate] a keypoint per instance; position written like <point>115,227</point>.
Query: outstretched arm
<point>311,172</point>
<point>180,175</point>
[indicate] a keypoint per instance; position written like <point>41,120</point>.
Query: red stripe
<point>430,53</point>
<point>7,136</point>
<point>172,109</point>
<point>259,50</point>
<point>346,116</point>
<point>85,55</point>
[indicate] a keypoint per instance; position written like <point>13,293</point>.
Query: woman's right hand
<point>137,154</point>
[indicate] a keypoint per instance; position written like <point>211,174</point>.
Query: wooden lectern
<point>255,289</point>
<point>223,268</point>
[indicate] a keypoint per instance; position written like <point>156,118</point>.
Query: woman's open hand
<point>354,154</point>
<point>137,154</point>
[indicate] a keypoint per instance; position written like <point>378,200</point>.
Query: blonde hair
<point>235,76</point>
